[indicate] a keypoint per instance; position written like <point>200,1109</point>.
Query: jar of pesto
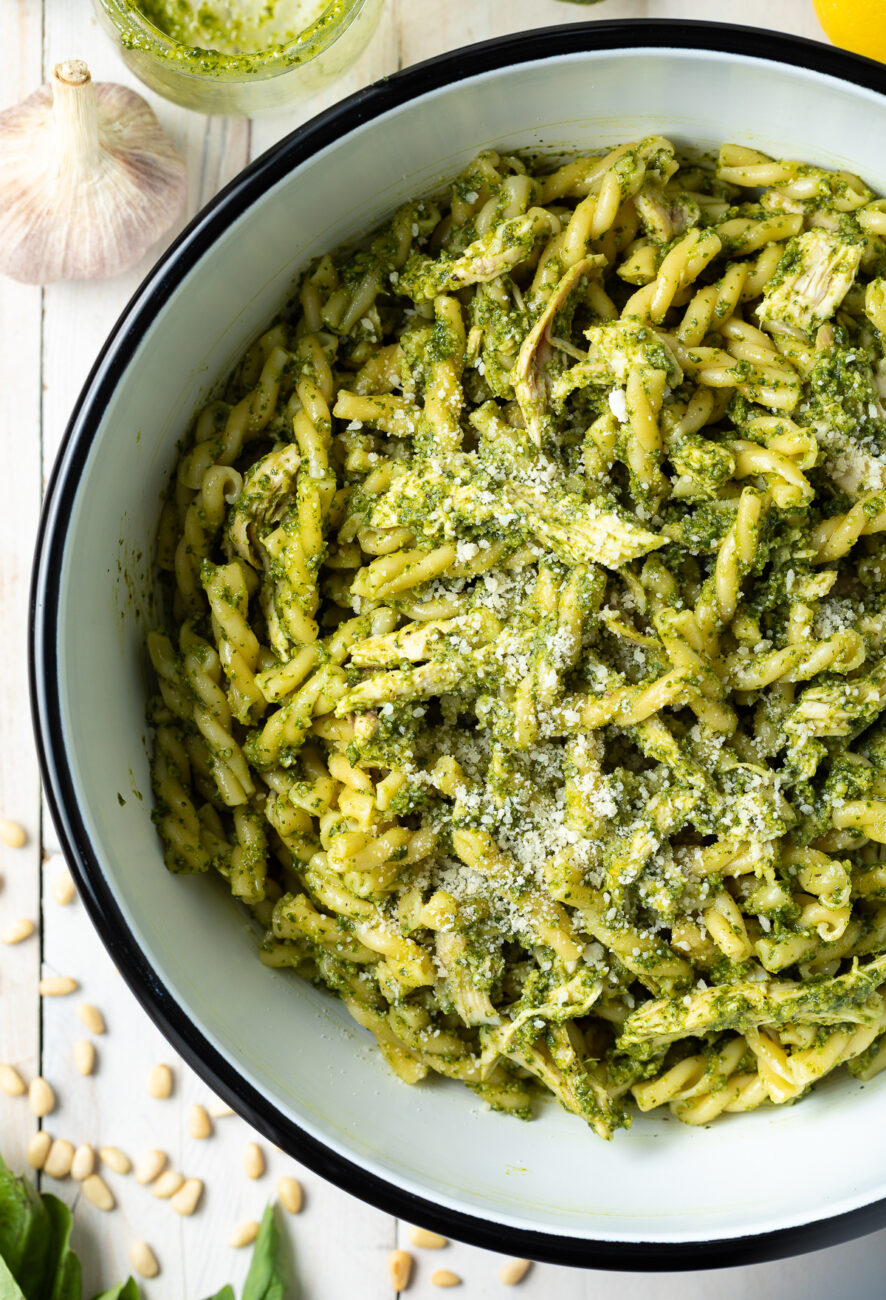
<point>238,56</point>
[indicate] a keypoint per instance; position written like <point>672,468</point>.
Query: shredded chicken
<point>531,377</point>
<point>268,491</point>
<point>820,274</point>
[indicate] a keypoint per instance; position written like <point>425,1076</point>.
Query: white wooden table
<point>48,340</point>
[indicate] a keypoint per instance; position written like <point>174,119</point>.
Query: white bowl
<point>285,1054</point>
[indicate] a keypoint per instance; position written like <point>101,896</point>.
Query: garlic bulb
<point>90,180</point>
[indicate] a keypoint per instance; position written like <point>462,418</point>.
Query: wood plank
<point>462,24</point>
<point>795,16</point>
<point>20,306</point>
<point>852,1271</point>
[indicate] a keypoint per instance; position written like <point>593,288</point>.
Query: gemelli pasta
<point>524,661</point>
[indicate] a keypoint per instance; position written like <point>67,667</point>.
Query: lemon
<point>857,25</point>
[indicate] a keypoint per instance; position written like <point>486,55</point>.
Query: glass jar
<point>213,81</point>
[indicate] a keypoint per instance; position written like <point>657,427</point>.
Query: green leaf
<point>127,1290</point>
<point>9,1288</point>
<point>63,1279</point>
<point>36,1260</point>
<point>264,1281</point>
<point>226,1293</point>
<point>25,1234</point>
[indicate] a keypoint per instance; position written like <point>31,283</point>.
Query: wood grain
<point>20,350</point>
<point>48,340</point>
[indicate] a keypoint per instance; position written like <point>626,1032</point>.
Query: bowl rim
<point>43,662</point>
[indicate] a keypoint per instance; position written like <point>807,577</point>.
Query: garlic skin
<point>90,180</point>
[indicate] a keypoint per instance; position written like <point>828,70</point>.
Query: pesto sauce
<point>572,852</point>
<point>234,27</point>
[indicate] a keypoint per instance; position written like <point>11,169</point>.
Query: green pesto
<point>201,27</point>
<point>500,802</point>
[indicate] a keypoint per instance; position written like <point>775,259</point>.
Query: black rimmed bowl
<point>286,1055</point>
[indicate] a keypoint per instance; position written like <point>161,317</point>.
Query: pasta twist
<point>524,660</point>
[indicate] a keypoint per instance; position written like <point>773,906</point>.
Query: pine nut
<point>443,1277</point>
<point>290,1193</point>
<point>11,833</point>
<point>17,932</point>
<point>64,889</point>
<point>427,1240</point>
<point>253,1160</point>
<point>160,1082</point>
<point>84,1056</point>
<point>514,1271</point>
<point>11,1081</point>
<point>57,986</point>
<point>400,1269</point>
<point>83,1163</point>
<point>38,1149</point>
<point>187,1198</point>
<point>97,1191</point>
<point>41,1097</point>
<point>115,1159</point>
<point>219,1110</point>
<point>59,1159</point>
<point>150,1166</point>
<point>91,1017</point>
<point>199,1125</point>
<point>143,1259</point>
<point>244,1234</point>
<point>168,1184</point>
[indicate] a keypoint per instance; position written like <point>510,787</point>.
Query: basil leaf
<point>63,1276</point>
<point>264,1281</point>
<point>127,1290</point>
<point>9,1288</point>
<point>226,1293</point>
<point>25,1234</point>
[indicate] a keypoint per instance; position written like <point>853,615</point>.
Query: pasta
<point>525,663</point>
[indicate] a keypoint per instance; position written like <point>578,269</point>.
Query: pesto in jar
<point>232,26</point>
